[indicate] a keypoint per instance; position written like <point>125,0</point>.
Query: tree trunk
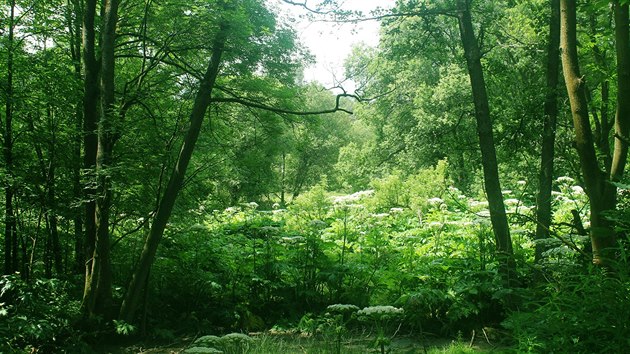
<point>74,18</point>
<point>98,298</point>
<point>90,142</point>
<point>498,216</point>
<point>10,236</point>
<point>543,199</point>
<point>622,116</point>
<point>601,194</point>
<point>202,100</point>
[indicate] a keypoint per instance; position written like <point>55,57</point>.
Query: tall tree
<point>545,178</point>
<point>498,217</point>
<point>90,141</point>
<point>202,101</point>
<point>602,194</point>
<point>98,288</point>
<point>10,224</point>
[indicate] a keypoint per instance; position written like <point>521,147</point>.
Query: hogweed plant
<point>337,318</point>
<point>381,317</point>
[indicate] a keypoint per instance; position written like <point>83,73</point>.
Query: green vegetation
<point>170,180</point>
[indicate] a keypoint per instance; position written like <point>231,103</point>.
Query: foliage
<point>232,343</point>
<point>36,315</point>
<point>582,313</point>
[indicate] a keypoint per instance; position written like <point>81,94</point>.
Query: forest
<point>172,183</point>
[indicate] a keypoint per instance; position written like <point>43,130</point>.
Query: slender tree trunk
<point>601,194</point>
<point>51,214</point>
<point>498,216</point>
<point>543,199</point>
<point>10,236</point>
<point>202,100</point>
<point>90,141</point>
<point>622,116</point>
<point>99,299</point>
<point>74,18</point>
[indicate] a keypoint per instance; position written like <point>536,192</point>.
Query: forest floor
<point>270,343</point>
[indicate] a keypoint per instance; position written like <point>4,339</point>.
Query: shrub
<point>583,313</point>
<point>35,315</point>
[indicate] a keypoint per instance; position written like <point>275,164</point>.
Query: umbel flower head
<point>342,308</point>
<point>380,312</point>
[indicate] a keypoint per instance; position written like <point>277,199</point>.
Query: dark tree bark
<point>90,141</point>
<point>622,116</point>
<point>543,198</point>
<point>498,217</point>
<point>10,234</point>
<point>74,17</point>
<point>202,101</point>
<point>98,297</point>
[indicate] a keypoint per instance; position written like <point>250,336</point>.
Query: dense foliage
<point>167,172</point>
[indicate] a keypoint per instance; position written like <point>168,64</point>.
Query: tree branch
<point>252,104</point>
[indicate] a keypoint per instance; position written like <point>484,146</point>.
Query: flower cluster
<point>350,198</point>
<point>342,308</point>
<point>380,311</point>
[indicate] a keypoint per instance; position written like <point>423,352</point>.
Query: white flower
<point>232,210</point>
<point>507,191</point>
<point>521,183</point>
<point>381,215</point>
<point>475,203</point>
<point>435,224</point>
<point>275,206</point>
<point>483,213</point>
<point>343,199</point>
<point>577,190</point>
<point>269,229</point>
<point>565,179</point>
<point>435,201</point>
<point>512,201</point>
<point>294,239</point>
<point>252,205</point>
<point>342,308</point>
<point>380,311</point>
<point>396,210</point>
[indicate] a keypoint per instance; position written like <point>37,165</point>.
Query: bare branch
<point>252,104</point>
<point>306,7</point>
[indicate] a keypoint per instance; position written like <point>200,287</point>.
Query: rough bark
<point>498,216</point>
<point>543,198</point>
<point>202,100</point>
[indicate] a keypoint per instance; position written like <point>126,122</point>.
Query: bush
<point>36,315</point>
<point>580,313</point>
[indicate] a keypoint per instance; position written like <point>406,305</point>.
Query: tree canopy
<point>166,164</point>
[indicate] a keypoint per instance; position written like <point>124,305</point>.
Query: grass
<point>274,343</point>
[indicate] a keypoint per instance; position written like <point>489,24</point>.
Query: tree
<point>599,184</point>
<point>97,298</point>
<point>500,226</point>
<point>10,225</point>
<point>543,198</point>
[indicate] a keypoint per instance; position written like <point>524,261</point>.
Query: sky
<point>331,43</point>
